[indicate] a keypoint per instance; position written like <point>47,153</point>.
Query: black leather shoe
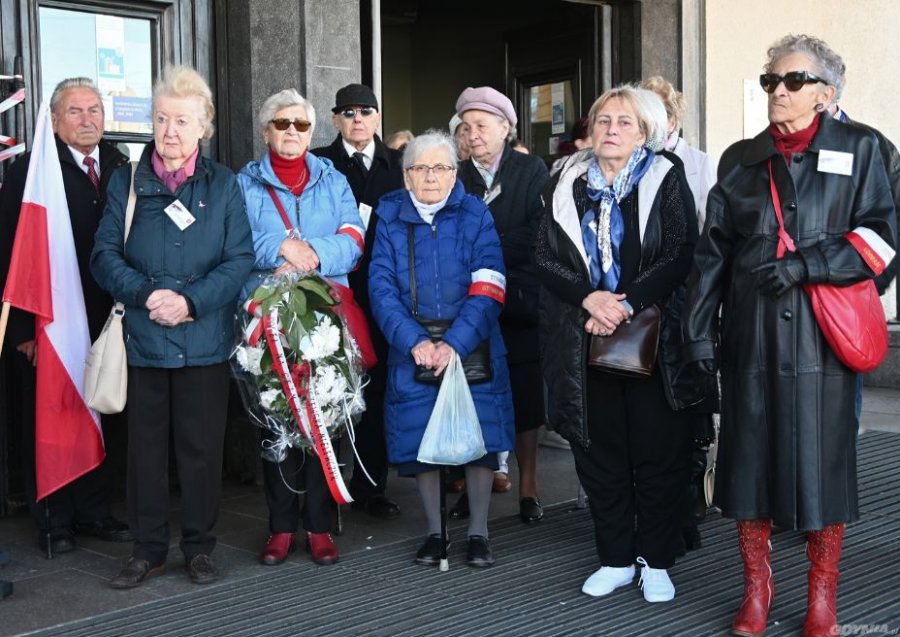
<point>135,572</point>
<point>108,529</point>
<point>202,570</point>
<point>479,553</point>
<point>460,510</point>
<point>62,543</point>
<point>691,536</point>
<point>530,510</point>
<point>378,506</point>
<point>430,552</point>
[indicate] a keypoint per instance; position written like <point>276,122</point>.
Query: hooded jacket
<point>452,253</point>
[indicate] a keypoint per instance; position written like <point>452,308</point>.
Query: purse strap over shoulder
<point>132,201</point>
<point>411,249</point>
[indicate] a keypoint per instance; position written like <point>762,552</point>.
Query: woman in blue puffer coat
<point>459,275</point>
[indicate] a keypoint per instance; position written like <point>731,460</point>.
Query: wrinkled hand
<point>168,308</point>
<point>29,349</point>
<point>442,355</point>
<point>299,254</point>
<point>423,353</point>
<point>606,311</point>
<point>595,328</point>
<point>777,277</point>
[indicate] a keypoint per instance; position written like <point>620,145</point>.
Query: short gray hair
<point>70,83</point>
<point>513,135</point>
<point>281,100</point>
<point>426,141</point>
<point>648,108</point>
<point>829,65</point>
<point>182,82</point>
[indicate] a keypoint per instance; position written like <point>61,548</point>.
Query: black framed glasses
<point>793,81</point>
<point>283,123</point>
<point>438,169</point>
<point>350,113</point>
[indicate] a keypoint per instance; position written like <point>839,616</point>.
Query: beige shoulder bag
<point>106,370</point>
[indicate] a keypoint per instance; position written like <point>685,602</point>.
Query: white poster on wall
<point>110,53</point>
<point>756,109</point>
<point>558,107</point>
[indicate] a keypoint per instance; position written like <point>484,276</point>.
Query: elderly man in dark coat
<point>87,162</point>
<point>372,169</point>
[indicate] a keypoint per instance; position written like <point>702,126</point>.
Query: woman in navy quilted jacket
<point>459,275</point>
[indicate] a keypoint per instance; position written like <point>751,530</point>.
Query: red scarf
<point>789,143</point>
<point>293,173</point>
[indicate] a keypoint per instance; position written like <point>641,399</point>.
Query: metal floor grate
<point>534,589</point>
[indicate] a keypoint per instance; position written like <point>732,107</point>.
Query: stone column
<point>264,46</point>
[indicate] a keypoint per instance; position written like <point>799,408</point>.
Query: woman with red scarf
<point>787,452</point>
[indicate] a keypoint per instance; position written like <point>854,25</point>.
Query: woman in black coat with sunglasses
<point>787,447</point>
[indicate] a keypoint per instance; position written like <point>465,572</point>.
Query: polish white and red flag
<point>44,280</point>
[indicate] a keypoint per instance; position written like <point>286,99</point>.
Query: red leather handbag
<point>851,318</point>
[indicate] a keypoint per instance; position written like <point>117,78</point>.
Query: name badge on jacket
<point>180,215</point>
<point>835,161</point>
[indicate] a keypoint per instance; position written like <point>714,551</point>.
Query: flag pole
<point>4,319</point>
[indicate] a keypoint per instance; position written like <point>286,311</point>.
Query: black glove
<point>777,277</point>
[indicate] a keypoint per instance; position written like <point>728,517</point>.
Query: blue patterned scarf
<point>603,228</point>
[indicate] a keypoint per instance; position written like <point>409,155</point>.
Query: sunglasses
<point>350,113</point>
<point>793,81</point>
<point>283,124</point>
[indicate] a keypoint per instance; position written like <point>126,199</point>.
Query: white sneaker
<point>549,438</point>
<point>655,583</point>
<point>607,579</point>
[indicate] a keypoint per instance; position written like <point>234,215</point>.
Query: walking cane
<point>445,563</point>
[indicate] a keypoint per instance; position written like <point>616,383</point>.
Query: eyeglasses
<point>793,81</point>
<point>283,124</point>
<point>438,169</point>
<point>350,113</point>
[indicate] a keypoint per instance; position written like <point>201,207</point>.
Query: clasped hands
<point>434,356</point>
<point>607,312</point>
<point>298,255</point>
<point>168,308</point>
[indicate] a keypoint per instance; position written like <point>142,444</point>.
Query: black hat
<point>354,95</point>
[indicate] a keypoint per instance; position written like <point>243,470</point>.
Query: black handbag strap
<point>411,249</point>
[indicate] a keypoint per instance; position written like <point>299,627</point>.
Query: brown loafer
<point>501,484</point>
<point>135,572</point>
<point>277,549</point>
<point>201,569</point>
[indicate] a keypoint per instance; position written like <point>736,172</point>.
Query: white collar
<point>368,151</point>
<point>78,156</point>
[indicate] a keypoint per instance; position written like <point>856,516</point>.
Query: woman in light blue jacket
<point>304,218</point>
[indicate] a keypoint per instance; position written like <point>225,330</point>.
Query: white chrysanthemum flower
<point>323,341</point>
<point>249,359</point>
<point>330,385</point>
<point>268,397</point>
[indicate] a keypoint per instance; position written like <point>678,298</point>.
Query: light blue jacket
<point>325,213</point>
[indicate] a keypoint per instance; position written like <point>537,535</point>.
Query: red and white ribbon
<point>304,406</point>
<point>16,98</point>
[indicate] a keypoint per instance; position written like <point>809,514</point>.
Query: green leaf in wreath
<point>317,287</point>
<point>297,303</point>
<point>262,293</point>
<point>265,363</point>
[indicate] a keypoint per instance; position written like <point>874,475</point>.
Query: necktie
<point>361,160</point>
<point>92,172</point>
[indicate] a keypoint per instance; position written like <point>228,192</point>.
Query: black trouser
<point>193,402</point>
<point>635,467</point>
<point>370,442</point>
<point>281,482</point>
<point>83,500</point>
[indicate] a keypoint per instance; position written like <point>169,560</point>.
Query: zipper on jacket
<point>437,272</point>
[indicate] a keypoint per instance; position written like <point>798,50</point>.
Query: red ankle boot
<point>759,587</point>
<point>321,548</point>
<point>277,548</point>
<point>823,548</point>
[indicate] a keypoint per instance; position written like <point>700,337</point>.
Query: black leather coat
<point>660,232</point>
<point>787,447</point>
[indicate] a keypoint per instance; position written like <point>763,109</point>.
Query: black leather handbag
<point>477,365</point>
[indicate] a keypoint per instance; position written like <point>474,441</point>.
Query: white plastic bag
<point>453,435</point>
